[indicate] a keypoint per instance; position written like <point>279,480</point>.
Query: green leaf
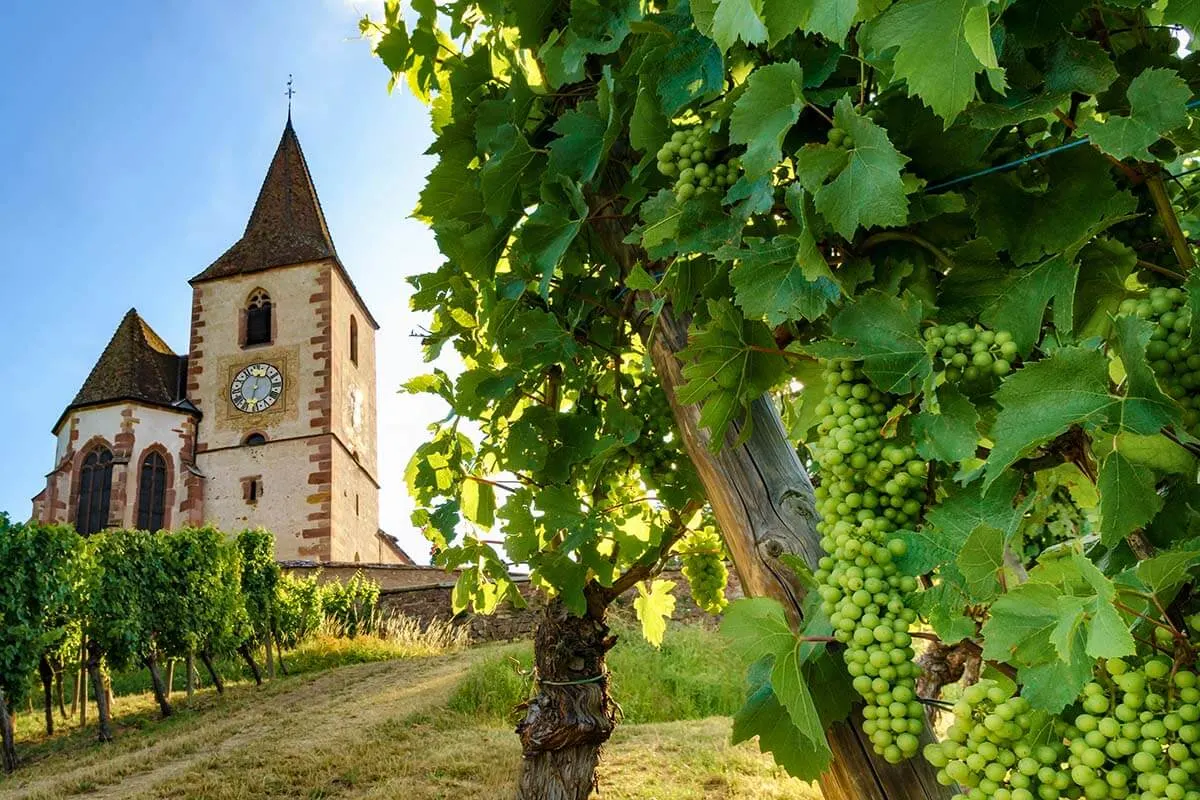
<point>1020,623</point>
<point>771,279</point>
<point>1128,498</point>
<point>502,173</point>
<point>950,523</point>
<point>1165,573</point>
<point>883,332</point>
<point>577,151</point>
<point>868,190</point>
<point>1053,685</point>
<point>654,606</point>
<point>479,503</point>
<point>691,68</point>
<point>1108,635</point>
<point>1079,65</point>
<point>738,19</point>
<point>981,560</point>
<point>1021,304</point>
<point>764,113</point>
<point>758,626</point>
<point>1157,103</point>
<point>1146,409</point>
<point>927,33</point>
<point>548,233</point>
<point>763,716</point>
<point>789,684</point>
<point>1042,400</point>
<point>950,435</point>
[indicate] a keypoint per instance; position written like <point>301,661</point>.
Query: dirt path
<point>303,715</point>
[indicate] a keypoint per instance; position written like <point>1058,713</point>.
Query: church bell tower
<point>281,367</point>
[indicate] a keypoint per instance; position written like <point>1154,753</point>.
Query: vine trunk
<point>46,673</point>
<point>160,687</point>
<point>572,715</point>
<point>104,734</point>
<point>8,747</point>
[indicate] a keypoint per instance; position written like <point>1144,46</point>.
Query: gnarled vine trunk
<point>206,659</point>
<point>94,655</point>
<point>248,657</point>
<point>160,689</point>
<point>764,502</point>
<point>8,744</point>
<point>572,714</point>
<point>46,673</point>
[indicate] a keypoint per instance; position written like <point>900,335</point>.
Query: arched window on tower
<point>152,493</point>
<point>354,340</point>
<point>258,319</point>
<point>95,489</point>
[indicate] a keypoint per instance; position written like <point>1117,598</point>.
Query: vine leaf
<point>502,173</point>
<point>771,279</point>
<point>759,628</point>
<point>479,503</point>
<point>950,435</point>
<point>1165,573</point>
<point>1157,103</point>
<point>1042,400</point>
<point>949,524</point>
<point>654,606</point>
<point>926,32</point>
<point>1128,499</point>
<point>882,331</point>
<point>764,114</point>
<point>726,367</point>
<point>765,717</point>
<point>1146,409</point>
<point>1185,13</point>
<point>867,189</point>
<point>981,560</point>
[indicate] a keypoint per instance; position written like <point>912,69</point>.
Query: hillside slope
<point>370,731</point>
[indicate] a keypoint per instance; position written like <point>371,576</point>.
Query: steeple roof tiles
<point>287,225</point>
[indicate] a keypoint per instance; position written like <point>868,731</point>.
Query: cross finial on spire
<point>290,91</point>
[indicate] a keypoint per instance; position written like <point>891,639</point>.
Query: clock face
<point>256,387</point>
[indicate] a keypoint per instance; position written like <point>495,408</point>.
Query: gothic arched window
<point>95,488</point>
<point>258,318</point>
<point>354,340</point>
<point>152,493</point>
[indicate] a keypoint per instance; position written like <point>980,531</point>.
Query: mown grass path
<point>366,731</point>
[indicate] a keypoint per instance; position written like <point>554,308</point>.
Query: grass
<point>692,676</point>
<point>402,727</point>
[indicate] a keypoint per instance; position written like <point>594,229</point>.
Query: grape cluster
<point>839,137</point>
<point>704,568</point>
<point>692,158</point>
<point>868,489</point>
<point>1171,352</point>
<point>1138,734</point>
<point>658,452</point>
<point>970,355</point>
<point>992,749</point>
<point>866,482</point>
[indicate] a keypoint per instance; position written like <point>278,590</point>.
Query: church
<point>268,420</point>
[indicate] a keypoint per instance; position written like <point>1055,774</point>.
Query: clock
<point>256,387</point>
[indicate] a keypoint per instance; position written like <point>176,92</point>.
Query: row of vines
<point>938,254</point>
<point>130,599</point>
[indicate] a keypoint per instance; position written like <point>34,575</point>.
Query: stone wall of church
<point>131,431</point>
<point>354,386</point>
<point>356,514</point>
<point>279,502</point>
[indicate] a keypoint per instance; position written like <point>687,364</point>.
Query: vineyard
<point>124,600</point>
<point>896,303</point>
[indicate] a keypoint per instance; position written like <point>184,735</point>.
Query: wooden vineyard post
<point>763,500</point>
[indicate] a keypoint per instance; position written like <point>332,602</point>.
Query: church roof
<point>137,365</point>
<point>287,225</point>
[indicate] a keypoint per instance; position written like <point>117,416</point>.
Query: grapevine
<point>704,568</point>
<point>692,157</point>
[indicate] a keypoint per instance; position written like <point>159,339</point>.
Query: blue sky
<point>133,140</point>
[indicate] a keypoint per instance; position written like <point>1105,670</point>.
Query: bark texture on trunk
<point>270,661</point>
<point>93,667</point>
<point>160,689</point>
<point>171,676</point>
<point>248,657</point>
<point>47,675</point>
<point>279,654</point>
<point>190,666</point>
<point>763,500</point>
<point>59,689</point>
<point>8,744</point>
<point>206,659</point>
<point>572,714</point>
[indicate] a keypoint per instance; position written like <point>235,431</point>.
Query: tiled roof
<point>286,226</point>
<point>136,365</point>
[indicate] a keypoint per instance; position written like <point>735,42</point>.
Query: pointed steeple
<point>136,365</point>
<point>286,226</point>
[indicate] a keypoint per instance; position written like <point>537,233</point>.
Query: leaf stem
<point>912,238</point>
<point>1170,273</point>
